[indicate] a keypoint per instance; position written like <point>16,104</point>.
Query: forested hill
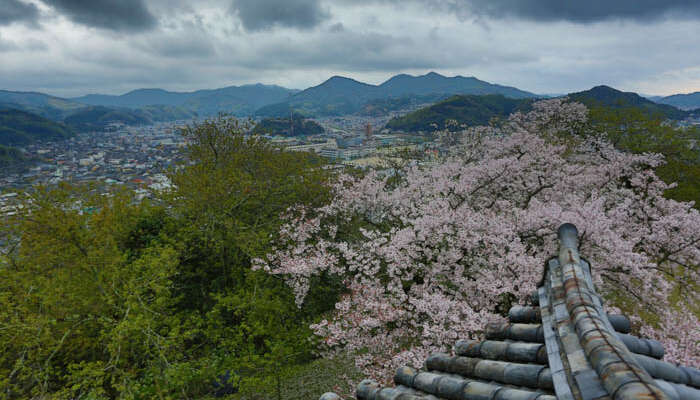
<point>466,110</point>
<point>283,127</point>
<point>20,127</point>
<point>51,107</point>
<point>98,118</point>
<point>605,96</point>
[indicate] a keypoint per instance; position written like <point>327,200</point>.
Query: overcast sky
<point>74,47</point>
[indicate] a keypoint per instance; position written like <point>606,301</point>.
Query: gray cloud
<point>579,11</point>
<point>116,15</point>
<point>181,46</point>
<point>215,43</point>
<point>6,45</point>
<point>257,15</point>
<point>17,11</point>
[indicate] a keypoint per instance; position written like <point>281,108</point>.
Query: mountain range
<point>237,100</point>
<point>336,96</point>
<point>339,95</point>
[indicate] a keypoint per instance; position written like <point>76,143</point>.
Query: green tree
<point>83,314</point>
<point>108,297</point>
<point>633,129</point>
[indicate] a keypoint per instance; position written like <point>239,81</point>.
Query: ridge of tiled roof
<point>562,346</point>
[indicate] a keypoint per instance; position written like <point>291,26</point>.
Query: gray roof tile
<point>564,345</point>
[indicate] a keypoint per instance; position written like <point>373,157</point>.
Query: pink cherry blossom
<point>430,253</point>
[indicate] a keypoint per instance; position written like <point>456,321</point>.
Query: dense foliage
<point>458,111</point>
<point>21,128</point>
<point>106,297</point>
<point>633,130</point>
<point>298,125</point>
<point>431,253</point>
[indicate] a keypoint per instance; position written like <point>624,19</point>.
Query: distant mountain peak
<point>605,88</point>
<point>147,90</point>
<point>338,78</point>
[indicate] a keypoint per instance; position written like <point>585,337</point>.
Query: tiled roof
<point>562,346</point>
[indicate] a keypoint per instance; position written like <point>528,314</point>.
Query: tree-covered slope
<point>20,128</point>
<point>605,96</point>
<point>51,107</point>
<point>384,106</point>
<point>465,110</point>
<point>336,96</point>
<point>97,118</point>
<point>299,126</point>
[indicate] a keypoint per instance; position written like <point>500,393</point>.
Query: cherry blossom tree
<point>431,253</point>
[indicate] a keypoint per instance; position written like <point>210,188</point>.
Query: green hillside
<point>19,128</point>
<point>98,118</point>
<point>54,108</point>
<point>161,113</point>
<point>605,96</point>
<point>382,107</point>
<point>466,110</point>
<point>282,127</point>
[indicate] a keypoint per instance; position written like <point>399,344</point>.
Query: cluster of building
<point>132,156</point>
<point>137,157</point>
<point>353,140</point>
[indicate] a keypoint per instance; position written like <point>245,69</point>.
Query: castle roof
<point>561,345</point>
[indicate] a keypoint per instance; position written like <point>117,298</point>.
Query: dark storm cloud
<point>117,15</point>
<point>580,11</point>
<point>257,15</point>
<point>17,11</point>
